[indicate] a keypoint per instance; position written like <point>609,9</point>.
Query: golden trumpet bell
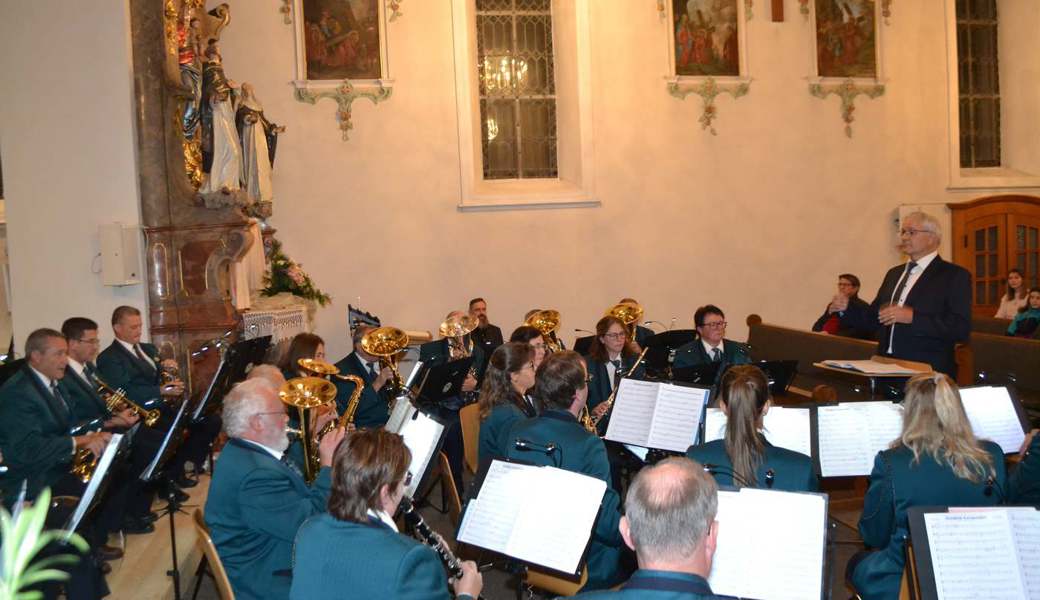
<point>318,367</point>
<point>384,341</point>
<point>627,312</point>
<point>545,321</point>
<point>458,326</point>
<point>307,392</point>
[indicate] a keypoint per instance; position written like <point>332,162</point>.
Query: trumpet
<point>116,400</point>
<point>594,421</point>
<point>547,322</point>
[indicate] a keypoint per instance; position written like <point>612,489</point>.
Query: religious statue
<point>259,138</point>
<point>221,152</point>
<point>188,59</point>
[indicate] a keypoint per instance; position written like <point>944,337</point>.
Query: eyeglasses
<point>93,342</point>
<point>588,379</point>
<point>913,232</point>
<point>714,325</point>
<point>280,412</point>
<point>408,479</point>
<point>615,336</point>
<point>538,346</point>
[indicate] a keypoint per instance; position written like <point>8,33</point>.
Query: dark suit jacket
<point>643,334</point>
<point>487,338</point>
<point>693,354</point>
<point>792,472</point>
<point>87,405</point>
<point>373,407</point>
<point>897,484</point>
<point>255,506</point>
<point>1024,483</point>
<point>941,299</point>
<point>120,368</point>
<point>658,585</point>
<point>579,452</point>
<point>342,559</point>
<point>34,435</point>
<point>849,320</point>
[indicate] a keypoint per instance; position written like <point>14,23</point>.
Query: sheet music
<point>631,419</point>
<point>677,415</point>
<point>398,413</point>
<point>100,472</point>
<point>872,367</point>
<point>788,428</point>
<point>851,434</point>
<point>421,434</point>
<point>518,513</point>
<point>209,389</point>
<point>781,533</point>
<point>992,414</point>
<point>973,555</point>
<point>1025,526</point>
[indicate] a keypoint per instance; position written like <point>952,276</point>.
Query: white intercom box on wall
<point>120,254</point>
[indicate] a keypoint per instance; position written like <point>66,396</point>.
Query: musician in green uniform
<point>711,346</point>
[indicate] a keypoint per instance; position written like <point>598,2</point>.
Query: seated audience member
<point>1028,318</point>
<point>670,523</point>
<point>561,390</point>
<point>354,550</point>
<point>711,346</point>
<point>257,502</point>
<point>503,397</point>
<point>533,338</point>
<point>842,322</point>
<point>1024,482</point>
<point>374,405</point>
<point>936,461</point>
<point>744,458</point>
<point>1015,298</point>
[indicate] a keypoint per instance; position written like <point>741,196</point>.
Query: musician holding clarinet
<point>356,545</point>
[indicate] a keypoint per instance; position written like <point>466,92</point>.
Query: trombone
<point>547,322</point>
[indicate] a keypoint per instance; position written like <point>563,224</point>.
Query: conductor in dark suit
<point>711,345</point>
<point>256,502</point>
<point>355,549</point>
<point>486,335</point>
<point>373,406</point>
<point>670,523</point>
<point>923,307</point>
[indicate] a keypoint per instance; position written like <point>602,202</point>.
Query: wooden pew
<point>990,325</point>
<point>1004,360</point>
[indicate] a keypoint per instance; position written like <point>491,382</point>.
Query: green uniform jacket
<point>373,407</point>
<point>1025,481</point>
<point>578,451</point>
<point>792,472</point>
<point>256,505</point>
<point>898,484</point>
<point>694,355</point>
<point>34,435</point>
<point>120,368</point>
<point>494,430</point>
<point>336,559</point>
<point>646,584</point>
<point>87,405</point>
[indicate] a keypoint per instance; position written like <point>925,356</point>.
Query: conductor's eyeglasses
<point>913,232</point>
<point>715,325</point>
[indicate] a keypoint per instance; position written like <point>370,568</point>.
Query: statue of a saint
<point>188,51</point>
<point>259,138</point>
<point>221,152</point>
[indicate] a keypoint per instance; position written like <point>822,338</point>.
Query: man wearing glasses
<point>923,307</point>
<point>256,501</point>
<point>711,346</point>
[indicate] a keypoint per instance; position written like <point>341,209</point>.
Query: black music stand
<point>582,345</point>
<point>780,373</point>
<point>8,369</point>
<point>441,382</point>
<point>707,374</point>
<point>661,349</point>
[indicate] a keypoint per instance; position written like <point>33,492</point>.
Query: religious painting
<point>341,39</point>
<point>706,38</point>
<point>846,39</point>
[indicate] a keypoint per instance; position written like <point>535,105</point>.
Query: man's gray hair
<point>670,508</point>
<point>39,339</point>
<point>243,402</point>
<point>927,222</point>
<point>269,373</point>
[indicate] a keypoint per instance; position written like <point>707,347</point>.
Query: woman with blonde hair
<point>744,458</point>
<point>936,461</point>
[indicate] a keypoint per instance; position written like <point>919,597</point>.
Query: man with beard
<point>488,336</point>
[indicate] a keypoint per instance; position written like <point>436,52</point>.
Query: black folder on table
<point>440,382</point>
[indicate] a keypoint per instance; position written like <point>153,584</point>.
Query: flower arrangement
<point>286,275</point>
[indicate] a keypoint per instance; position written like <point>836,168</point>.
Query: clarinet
<point>427,536</point>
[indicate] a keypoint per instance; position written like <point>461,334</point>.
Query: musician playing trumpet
<point>356,545</point>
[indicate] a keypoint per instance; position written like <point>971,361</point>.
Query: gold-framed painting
<point>846,39</point>
<point>342,39</point>
<point>706,38</point>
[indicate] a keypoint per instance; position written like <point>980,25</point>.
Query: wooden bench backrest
<point>1001,357</point>
<point>775,342</point>
<point>990,325</point>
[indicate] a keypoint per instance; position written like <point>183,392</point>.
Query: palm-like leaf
<point>23,537</point>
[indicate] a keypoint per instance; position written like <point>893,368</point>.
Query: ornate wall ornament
<point>847,90</point>
<point>708,90</point>
<point>344,95</point>
<point>662,12</point>
<point>748,5</point>
<point>803,7</point>
<point>193,161</point>
<point>886,10</point>
<point>286,10</point>
<point>343,64</point>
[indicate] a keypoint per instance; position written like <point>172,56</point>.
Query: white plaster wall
<point>1019,84</point>
<point>67,140</point>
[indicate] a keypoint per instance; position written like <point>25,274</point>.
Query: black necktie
<point>617,371</point>
<point>88,373</point>
<point>372,370</point>
<point>902,282</point>
<point>716,355</point>
<point>57,394</point>
<point>140,355</point>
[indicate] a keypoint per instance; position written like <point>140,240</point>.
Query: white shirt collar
<point>46,380</point>
<point>926,260</point>
<point>277,455</point>
<point>78,367</point>
<point>385,518</point>
<point>708,347</point>
<point>128,346</point>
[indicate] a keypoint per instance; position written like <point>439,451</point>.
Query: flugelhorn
<point>547,322</point>
<point>306,394</point>
<point>320,367</point>
<point>628,313</point>
<point>387,343</point>
<point>116,400</point>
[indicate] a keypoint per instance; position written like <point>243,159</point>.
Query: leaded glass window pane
<point>517,87</point>
<point>979,78</point>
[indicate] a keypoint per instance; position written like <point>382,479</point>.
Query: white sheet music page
<point>884,425</point>
<point>402,408</point>
<point>843,442</point>
<point>518,513</point>
<point>676,417</point>
<point>973,555</point>
<point>871,367</point>
<point>714,425</point>
<point>633,412</point>
<point>781,533</point>
<point>993,417</point>
<point>421,434</point>
<point>788,428</point>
